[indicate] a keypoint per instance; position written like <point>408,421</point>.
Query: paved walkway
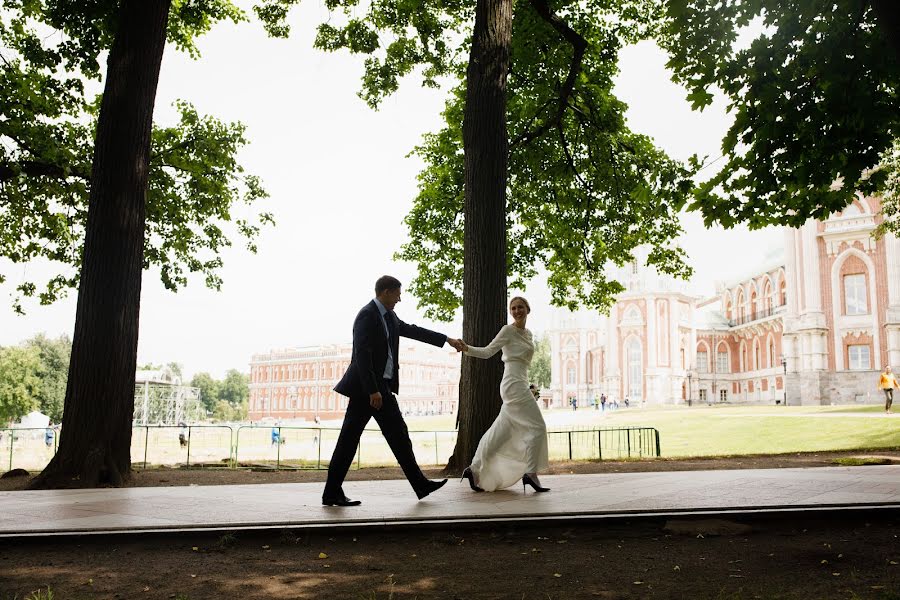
<point>229,507</point>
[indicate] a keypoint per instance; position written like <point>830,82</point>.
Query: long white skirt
<point>516,442</point>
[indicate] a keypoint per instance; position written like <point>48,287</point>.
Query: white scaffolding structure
<point>161,399</point>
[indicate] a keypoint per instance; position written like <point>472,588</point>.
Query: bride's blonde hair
<point>524,301</point>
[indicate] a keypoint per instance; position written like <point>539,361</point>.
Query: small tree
<point>209,390</point>
<point>540,364</point>
<point>20,384</point>
<point>54,355</point>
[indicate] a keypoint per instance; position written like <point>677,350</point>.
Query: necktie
<point>389,319</point>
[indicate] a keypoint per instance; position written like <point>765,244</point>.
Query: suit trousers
<point>394,429</point>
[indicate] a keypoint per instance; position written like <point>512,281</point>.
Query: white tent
<point>33,419</point>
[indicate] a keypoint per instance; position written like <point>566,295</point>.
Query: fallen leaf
<point>893,562</point>
<point>265,547</point>
<point>700,536</point>
<point>195,548</point>
<point>192,575</point>
<point>412,555</point>
<point>557,575</point>
<point>147,589</point>
<point>836,574</point>
<point>824,562</point>
<point>638,583</point>
<point>677,568</point>
<point>322,555</point>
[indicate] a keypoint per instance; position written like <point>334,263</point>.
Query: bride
<point>515,446</point>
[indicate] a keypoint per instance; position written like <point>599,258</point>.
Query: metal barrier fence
<point>32,446</point>
<point>283,447</point>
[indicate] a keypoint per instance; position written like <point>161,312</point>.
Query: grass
<point>731,430</point>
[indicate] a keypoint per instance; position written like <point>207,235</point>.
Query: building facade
<point>814,324</point>
<point>297,383</point>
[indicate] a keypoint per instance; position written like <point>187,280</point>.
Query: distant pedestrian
<point>603,402</point>
<point>49,434</point>
<point>535,392</point>
<point>574,403</point>
<point>276,434</point>
<point>182,434</point>
<point>888,382</point>
<point>626,401</point>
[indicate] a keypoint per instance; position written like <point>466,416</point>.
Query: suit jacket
<point>370,351</point>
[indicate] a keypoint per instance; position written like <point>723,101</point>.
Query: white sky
<point>340,185</point>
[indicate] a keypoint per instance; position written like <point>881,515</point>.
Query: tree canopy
<point>49,51</point>
<point>584,190</point>
<point>814,97</point>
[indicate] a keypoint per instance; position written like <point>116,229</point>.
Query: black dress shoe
<point>345,501</point>
<point>429,487</point>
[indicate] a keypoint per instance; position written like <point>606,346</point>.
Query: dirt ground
<point>848,556</point>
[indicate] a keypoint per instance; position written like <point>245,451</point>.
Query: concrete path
<point>298,505</point>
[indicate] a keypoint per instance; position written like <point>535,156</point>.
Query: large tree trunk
<point>95,442</point>
<point>888,14</point>
<point>486,148</point>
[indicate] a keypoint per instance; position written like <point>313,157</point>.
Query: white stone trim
<point>842,322</point>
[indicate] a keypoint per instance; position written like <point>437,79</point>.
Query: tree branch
<point>33,168</point>
<point>579,46</point>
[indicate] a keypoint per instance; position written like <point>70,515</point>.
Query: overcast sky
<point>340,185</point>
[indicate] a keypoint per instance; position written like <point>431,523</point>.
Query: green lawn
<point>724,430</point>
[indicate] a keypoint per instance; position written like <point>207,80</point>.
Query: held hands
<point>375,400</point>
<point>459,345</point>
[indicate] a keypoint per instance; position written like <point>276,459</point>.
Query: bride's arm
<point>491,349</point>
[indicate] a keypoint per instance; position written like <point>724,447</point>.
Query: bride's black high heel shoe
<point>526,480</point>
<point>467,474</point>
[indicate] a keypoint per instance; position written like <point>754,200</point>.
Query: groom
<point>370,382</point>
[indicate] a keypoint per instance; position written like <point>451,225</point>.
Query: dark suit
<point>364,377</point>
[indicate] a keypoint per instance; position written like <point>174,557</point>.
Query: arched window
<point>635,369</point>
<point>722,365</point>
<point>855,297</point>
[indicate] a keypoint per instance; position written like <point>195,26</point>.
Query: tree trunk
<point>888,14</point>
<point>486,148</point>
<point>95,441</point>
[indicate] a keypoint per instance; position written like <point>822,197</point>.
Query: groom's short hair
<point>386,282</point>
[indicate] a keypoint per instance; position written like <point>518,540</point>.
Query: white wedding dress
<point>516,442</point>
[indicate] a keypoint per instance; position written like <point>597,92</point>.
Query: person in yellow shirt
<point>887,383</point>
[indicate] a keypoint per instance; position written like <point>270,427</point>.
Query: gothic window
<point>702,358</point>
<point>859,357</point>
<point>635,369</point>
<point>570,375</point>
<point>634,268</point>
<point>771,353</point>
<point>855,294</point>
<point>722,362</point>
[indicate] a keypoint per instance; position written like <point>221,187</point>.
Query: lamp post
<point>689,374</point>
<point>784,379</point>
